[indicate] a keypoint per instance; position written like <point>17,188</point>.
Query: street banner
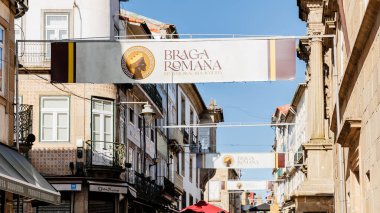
<point>233,185</point>
<point>173,61</point>
<point>241,160</point>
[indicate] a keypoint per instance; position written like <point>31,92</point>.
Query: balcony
<point>153,93</point>
<point>105,159</point>
<point>169,186</point>
<point>186,135</point>
<point>178,183</point>
<point>194,144</point>
<point>175,139</point>
<point>34,55</point>
<point>25,127</point>
<point>148,190</point>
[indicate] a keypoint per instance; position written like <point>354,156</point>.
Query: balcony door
<point>102,132</point>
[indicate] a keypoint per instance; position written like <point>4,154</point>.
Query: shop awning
<point>112,187</point>
<point>18,176</point>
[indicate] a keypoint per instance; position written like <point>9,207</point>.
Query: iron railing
<point>153,93</point>
<point>25,122</point>
<point>147,189</point>
<point>103,153</point>
<point>34,55</point>
<point>185,132</point>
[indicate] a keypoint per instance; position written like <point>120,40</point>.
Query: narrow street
<point>138,106</point>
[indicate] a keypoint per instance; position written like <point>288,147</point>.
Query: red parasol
<point>203,206</point>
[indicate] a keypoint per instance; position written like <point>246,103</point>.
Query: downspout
<point>75,5</point>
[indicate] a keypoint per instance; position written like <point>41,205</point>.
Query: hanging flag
<point>173,61</point>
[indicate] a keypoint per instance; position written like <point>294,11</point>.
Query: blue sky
<point>241,102</point>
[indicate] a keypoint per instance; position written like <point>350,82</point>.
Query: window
<point>196,176</point>
<point>102,120</point>
<point>132,116</point>
<point>1,60</point>
<point>56,26</point>
<point>178,162</point>
<point>191,200</point>
<point>183,110</point>
<point>183,163</point>
<point>140,122</point>
<point>54,119</point>
<point>130,155</point>
<point>183,199</point>
<point>152,135</point>
<point>138,169</point>
<point>191,169</point>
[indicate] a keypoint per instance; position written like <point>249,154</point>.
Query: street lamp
<point>148,113</point>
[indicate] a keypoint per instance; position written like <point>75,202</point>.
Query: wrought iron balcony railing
<point>25,123</point>
<point>147,189</point>
<point>103,153</point>
<point>153,93</point>
<point>185,133</point>
<point>35,55</point>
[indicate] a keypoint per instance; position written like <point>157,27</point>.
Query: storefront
<point>20,180</point>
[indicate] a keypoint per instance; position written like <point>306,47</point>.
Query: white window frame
<point>55,112</point>
<point>102,114</point>
<point>57,28</point>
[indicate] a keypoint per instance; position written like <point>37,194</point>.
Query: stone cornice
<point>351,129</point>
<point>306,5</point>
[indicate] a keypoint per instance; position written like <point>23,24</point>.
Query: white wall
<point>88,19</point>
<point>189,187</point>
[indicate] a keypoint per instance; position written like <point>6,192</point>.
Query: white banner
<point>247,185</point>
<point>239,160</point>
<point>174,61</point>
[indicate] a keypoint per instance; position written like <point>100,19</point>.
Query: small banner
<point>173,61</point>
<point>241,160</point>
<point>247,185</point>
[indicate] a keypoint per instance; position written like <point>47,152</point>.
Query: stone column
<point>316,107</point>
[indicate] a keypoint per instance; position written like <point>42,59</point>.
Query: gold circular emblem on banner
<point>137,62</point>
<point>239,185</point>
<point>228,160</point>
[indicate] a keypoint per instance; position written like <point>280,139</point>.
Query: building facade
<point>216,192</point>
<point>18,178</point>
<point>290,140</point>
<point>92,143</point>
<point>349,67</point>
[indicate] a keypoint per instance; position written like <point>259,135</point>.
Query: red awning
<point>203,206</point>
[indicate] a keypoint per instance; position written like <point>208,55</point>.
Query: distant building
<point>216,192</point>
